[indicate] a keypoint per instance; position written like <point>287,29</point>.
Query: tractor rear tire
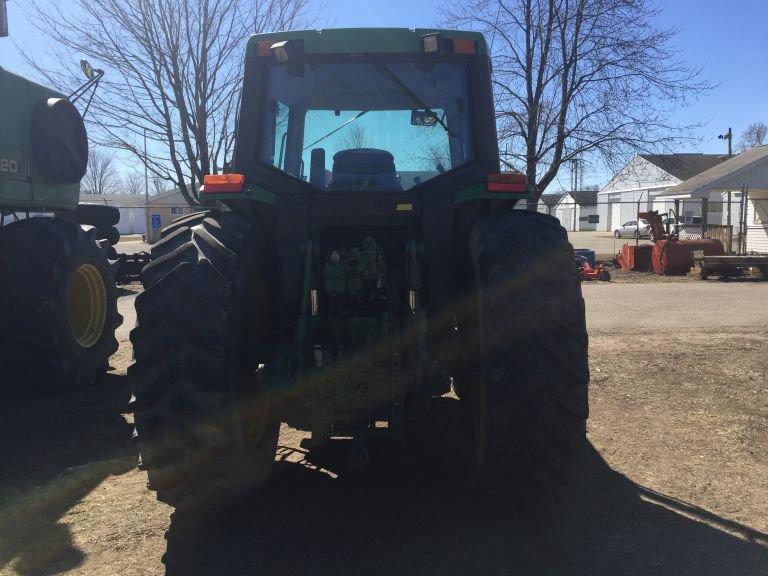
<point>205,425</point>
<point>110,234</point>
<point>98,215</point>
<point>58,307</point>
<point>530,409</point>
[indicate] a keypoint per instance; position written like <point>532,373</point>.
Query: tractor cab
<point>414,118</point>
<point>343,133</point>
<point>366,110</point>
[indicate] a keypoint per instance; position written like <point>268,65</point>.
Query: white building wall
<point>582,218</point>
<point>133,220</point>
<point>565,212</point>
<point>603,211</point>
<point>573,217</point>
<point>639,174</point>
<point>639,179</point>
<point>735,205</point>
<point>616,220</point>
<point>562,212</point>
<point>663,206</point>
<point>757,225</point>
<point>629,205</point>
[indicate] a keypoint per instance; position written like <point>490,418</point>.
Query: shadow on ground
<point>410,515</point>
<point>56,448</point>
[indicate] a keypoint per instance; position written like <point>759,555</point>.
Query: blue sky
<point>728,38</point>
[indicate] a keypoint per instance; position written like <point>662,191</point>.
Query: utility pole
<point>574,186</point>
<point>3,19</point>
<point>728,136</point>
<point>148,222</point>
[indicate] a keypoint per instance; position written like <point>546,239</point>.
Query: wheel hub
<point>86,305</point>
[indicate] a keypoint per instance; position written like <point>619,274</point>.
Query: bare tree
<point>591,79</point>
<point>173,72</point>
<point>133,184</point>
<point>158,185</point>
<point>100,177</point>
<point>354,137</point>
<point>755,135</point>
<point>436,157</point>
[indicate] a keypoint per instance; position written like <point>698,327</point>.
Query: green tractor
<point>58,300</point>
<point>362,257</point>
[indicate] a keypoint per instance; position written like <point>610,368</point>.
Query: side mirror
<point>317,168</point>
<point>423,118</point>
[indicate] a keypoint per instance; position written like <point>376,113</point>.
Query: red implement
<point>672,256</point>
<point>589,273</point>
<point>635,258</point>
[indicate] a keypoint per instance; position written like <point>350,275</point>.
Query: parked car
<point>632,230</point>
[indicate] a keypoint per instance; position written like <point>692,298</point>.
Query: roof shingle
<point>684,166</point>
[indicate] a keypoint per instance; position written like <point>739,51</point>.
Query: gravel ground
<point>132,246</point>
<point>675,480</point>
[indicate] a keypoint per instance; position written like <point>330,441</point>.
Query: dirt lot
<point>675,481</point>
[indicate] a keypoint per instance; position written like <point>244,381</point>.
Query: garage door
<point>615,215</point>
<point>566,220</point>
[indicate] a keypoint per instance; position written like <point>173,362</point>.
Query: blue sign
<point>156,221</point>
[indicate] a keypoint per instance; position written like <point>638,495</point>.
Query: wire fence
<point>741,225</point>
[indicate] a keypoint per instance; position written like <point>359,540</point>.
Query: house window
<point>177,211</point>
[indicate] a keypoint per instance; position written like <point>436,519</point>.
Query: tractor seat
<point>364,169</point>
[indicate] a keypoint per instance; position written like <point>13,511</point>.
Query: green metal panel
<point>22,186</point>
<point>250,192</point>
<point>478,192</point>
<point>363,40</point>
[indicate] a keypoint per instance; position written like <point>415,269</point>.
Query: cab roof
<point>364,40</point>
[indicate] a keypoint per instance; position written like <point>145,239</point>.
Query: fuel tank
<point>672,256</point>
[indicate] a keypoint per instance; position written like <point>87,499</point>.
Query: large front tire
<point>58,304</point>
<point>530,405</point>
<point>204,424</point>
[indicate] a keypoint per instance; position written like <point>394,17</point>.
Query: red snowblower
<point>668,255</point>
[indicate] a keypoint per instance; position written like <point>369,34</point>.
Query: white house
<point>577,211</point>
<point>646,177</point>
<point>748,171</point>
<point>757,223</point>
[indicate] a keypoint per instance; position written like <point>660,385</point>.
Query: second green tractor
<point>364,255</point>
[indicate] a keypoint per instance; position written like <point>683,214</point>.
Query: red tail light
<point>223,183</point>
<point>462,46</point>
<point>507,182</point>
